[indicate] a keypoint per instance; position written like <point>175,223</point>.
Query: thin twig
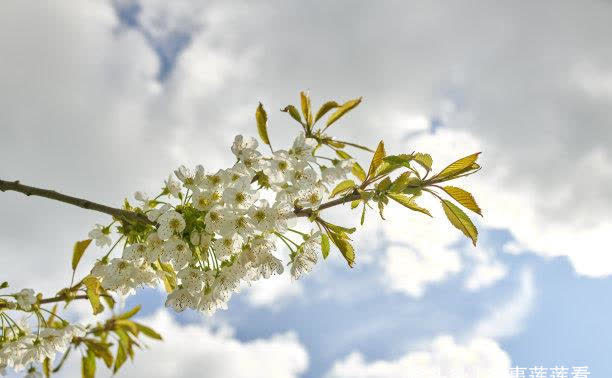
<point>126,215</point>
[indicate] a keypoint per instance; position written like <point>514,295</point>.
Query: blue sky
<point>114,95</point>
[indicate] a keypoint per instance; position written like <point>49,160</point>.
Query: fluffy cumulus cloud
<point>523,89</point>
<point>96,94</point>
<point>475,354</point>
<point>443,357</point>
<point>274,292</point>
<point>508,318</point>
<point>198,349</point>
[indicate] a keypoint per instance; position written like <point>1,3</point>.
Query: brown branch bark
<point>16,186</point>
<point>339,201</point>
<point>129,216</point>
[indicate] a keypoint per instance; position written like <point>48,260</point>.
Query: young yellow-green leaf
<point>305,100</point>
<point>342,110</point>
<point>148,331</point>
<point>128,326</point>
<point>262,123</point>
<point>381,208</point>
<point>107,298</point>
<point>384,184</point>
<point>358,172</point>
<point>342,154</point>
<point>329,105</point>
<point>340,240</point>
<point>354,204</point>
<point>341,187</point>
<point>120,357</point>
<point>465,198</point>
<point>101,350</point>
<point>377,159</point>
<point>46,367</point>
<point>334,143</point>
<point>363,214</point>
<point>408,202</point>
<point>129,314</point>
<point>424,160</point>
<point>458,166</point>
<point>125,342</point>
<point>78,250</point>
<point>52,315</point>
<point>93,293</point>
<point>460,220</point>
<point>169,277</point>
<point>401,159</point>
<point>293,112</point>
<point>340,229</point>
<point>400,183</point>
<point>88,365</point>
<point>324,245</point>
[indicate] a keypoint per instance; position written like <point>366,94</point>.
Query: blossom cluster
<point>214,231</point>
<point>22,346</point>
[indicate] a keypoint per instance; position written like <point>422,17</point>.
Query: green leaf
<point>324,245</point>
<point>4,285</point>
<point>424,160</point>
<point>125,342</point>
<point>93,293</point>
<point>120,358</point>
<point>88,365</point>
<point>377,159</point>
<point>465,198</point>
<point>107,298</point>
<point>129,314</point>
<point>363,214</point>
<point>293,112</point>
<point>333,143</point>
<point>358,172</point>
<point>78,250</point>
<point>340,229</point>
<point>384,184</point>
<point>128,325</point>
<point>408,202</point>
<point>46,367</point>
<point>169,276</point>
<point>329,105</point>
<point>52,315</point>
<point>457,167</point>
<point>342,154</point>
<point>262,123</point>
<point>354,204</point>
<point>460,220</point>
<point>341,187</point>
<point>101,350</point>
<point>381,208</point>
<point>400,183</point>
<point>399,160</point>
<point>340,240</point>
<point>148,331</point>
<point>305,100</point>
<point>342,110</point>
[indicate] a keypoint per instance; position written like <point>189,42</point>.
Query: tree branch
<point>132,216</point>
<point>339,201</point>
<point>129,216</point>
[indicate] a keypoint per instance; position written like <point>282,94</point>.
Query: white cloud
<point>194,350</point>
<point>485,274</point>
<point>443,358</point>
<point>508,318</point>
<point>410,270</point>
<point>272,293</point>
<point>486,271</point>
